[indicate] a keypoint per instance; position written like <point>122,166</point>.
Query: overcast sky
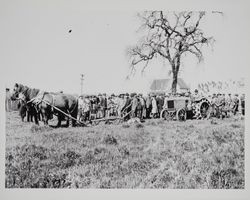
<point>37,49</point>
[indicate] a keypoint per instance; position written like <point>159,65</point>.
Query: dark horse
<point>57,104</point>
<point>49,103</point>
<point>28,94</point>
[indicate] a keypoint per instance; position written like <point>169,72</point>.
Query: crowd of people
<point>150,106</point>
<point>126,106</point>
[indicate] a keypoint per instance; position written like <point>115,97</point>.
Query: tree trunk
<point>175,69</point>
<point>174,83</point>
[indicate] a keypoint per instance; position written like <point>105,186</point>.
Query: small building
<point>165,86</point>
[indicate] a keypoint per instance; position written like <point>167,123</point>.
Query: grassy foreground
<point>155,154</point>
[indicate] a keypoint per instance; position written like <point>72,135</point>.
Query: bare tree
<point>170,35</point>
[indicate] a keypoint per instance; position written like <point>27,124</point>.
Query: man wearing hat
<point>148,106</point>
<point>126,106</point>
<point>86,108</point>
<point>160,103</point>
<point>134,106</point>
<point>143,106</point>
<point>80,107</point>
<point>120,102</point>
<point>154,106</point>
<point>196,97</point>
<point>228,102</point>
<point>236,103</point>
<point>103,105</point>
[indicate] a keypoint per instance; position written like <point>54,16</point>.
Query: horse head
<point>18,88</point>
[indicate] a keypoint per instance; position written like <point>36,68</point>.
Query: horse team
<point>42,105</point>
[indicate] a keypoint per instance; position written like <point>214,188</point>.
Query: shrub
<point>139,125</point>
<point>109,139</point>
<point>68,159</point>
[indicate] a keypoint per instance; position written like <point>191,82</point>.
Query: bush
<point>139,125</point>
<point>109,139</point>
<point>68,159</point>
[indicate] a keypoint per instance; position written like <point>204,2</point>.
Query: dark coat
<point>160,102</point>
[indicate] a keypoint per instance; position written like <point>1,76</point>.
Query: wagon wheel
<point>181,115</point>
<point>205,109</point>
<point>166,115</point>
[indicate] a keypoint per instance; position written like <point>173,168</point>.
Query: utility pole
<point>82,78</point>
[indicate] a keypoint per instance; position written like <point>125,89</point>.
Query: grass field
<point>155,154</point>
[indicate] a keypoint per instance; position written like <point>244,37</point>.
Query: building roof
<point>166,84</point>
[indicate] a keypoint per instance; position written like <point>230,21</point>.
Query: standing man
<point>99,107</point>
<point>80,107</point>
<point>104,104</point>
<point>242,100</point>
<point>143,105</point>
<point>134,106</point>
<point>86,108</point>
<point>160,103</point>
<point>236,104</point>
<point>228,102</point>
<point>196,95</point>
<point>154,107</point>
<point>196,98</point>
<point>148,106</point>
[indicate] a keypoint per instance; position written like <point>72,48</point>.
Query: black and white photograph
<point>123,98</point>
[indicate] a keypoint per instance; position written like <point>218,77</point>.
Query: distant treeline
<point>231,86</point>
